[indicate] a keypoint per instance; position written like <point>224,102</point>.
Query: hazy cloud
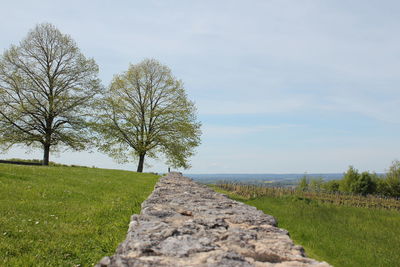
<point>258,68</point>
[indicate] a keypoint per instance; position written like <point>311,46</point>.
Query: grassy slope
<point>64,216</point>
<point>340,235</point>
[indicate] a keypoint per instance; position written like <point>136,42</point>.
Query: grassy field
<point>66,216</point>
<point>340,235</point>
<point>355,200</point>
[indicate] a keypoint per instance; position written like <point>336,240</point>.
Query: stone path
<point>183,223</point>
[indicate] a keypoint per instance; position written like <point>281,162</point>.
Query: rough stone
<point>183,223</point>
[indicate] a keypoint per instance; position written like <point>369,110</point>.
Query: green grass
<point>66,216</point>
<point>339,235</point>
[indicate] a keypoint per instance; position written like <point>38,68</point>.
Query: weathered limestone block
<point>183,223</point>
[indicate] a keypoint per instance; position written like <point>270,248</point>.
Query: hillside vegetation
<point>66,216</point>
<point>354,182</point>
<point>339,234</point>
<point>337,198</point>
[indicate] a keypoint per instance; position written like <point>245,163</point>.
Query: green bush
<point>364,184</point>
<point>303,184</point>
<point>315,184</point>
<point>381,187</point>
<point>331,186</point>
<point>393,180</point>
<point>357,183</point>
<point>349,178</point>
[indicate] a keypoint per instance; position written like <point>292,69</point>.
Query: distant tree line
<point>51,98</point>
<point>364,183</point>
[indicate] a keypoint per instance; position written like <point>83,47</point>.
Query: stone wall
<point>183,223</point>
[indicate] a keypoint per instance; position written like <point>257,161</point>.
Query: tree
<point>46,90</point>
<point>349,178</point>
<point>146,113</point>
<point>315,184</point>
<point>364,185</point>
<point>303,183</point>
<point>393,179</point>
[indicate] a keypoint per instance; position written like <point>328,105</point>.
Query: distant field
<point>270,179</point>
<point>340,235</point>
<point>66,216</point>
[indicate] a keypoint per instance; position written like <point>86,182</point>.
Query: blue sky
<point>280,86</point>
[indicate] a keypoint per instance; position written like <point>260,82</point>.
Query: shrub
<point>315,184</point>
<point>364,184</point>
<point>349,178</point>
<point>303,184</point>
<point>331,186</point>
<point>393,180</point>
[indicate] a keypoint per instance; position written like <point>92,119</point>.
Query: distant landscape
<point>266,179</point>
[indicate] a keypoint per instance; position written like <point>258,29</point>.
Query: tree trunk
<point>141,162</point>
<point>46,154</point>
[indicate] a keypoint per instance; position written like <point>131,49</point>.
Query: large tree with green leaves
<point>146,112</point>
<point>47,87</point>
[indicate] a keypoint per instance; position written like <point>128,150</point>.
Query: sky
<point>280,86</point>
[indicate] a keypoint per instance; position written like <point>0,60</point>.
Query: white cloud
<point>251,105</point>
<point>216,130</point>
<point>386,110</point>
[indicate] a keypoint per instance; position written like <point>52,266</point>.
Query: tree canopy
<point>146,112</point>
<point>47,87</point>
